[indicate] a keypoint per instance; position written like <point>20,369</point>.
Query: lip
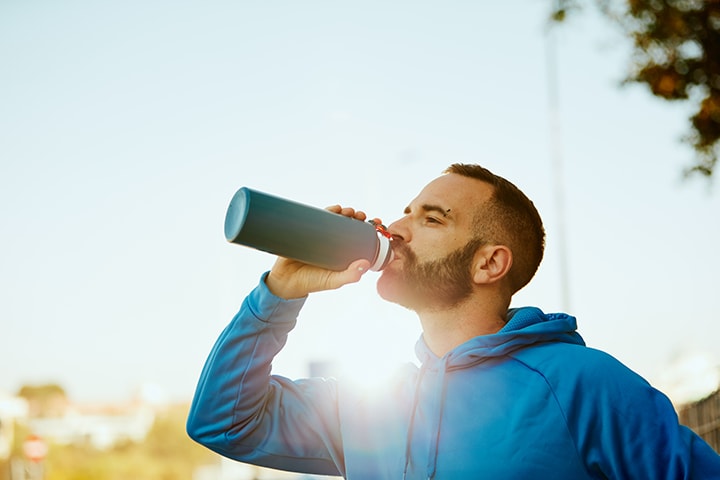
<point>395,258</point>
<point>397,251</point>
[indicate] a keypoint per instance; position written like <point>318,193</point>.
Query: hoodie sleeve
<point>630,430</point>
<point>242,412</point>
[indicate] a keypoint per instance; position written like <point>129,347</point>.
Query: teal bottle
<point>308,234</point>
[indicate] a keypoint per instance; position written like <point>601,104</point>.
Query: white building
<point>101,431</point>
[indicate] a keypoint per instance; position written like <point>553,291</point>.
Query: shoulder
<point>572,370</point>
<point>597,393</point>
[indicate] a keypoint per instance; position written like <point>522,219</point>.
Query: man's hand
<point>292,279</point>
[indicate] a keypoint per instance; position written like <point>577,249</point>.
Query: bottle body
<point>301,232</point>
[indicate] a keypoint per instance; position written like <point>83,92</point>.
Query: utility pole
<point>556,156</point>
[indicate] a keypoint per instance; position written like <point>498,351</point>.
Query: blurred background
<point>126,127</point>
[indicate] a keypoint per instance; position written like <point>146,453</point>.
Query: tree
<point>677,55</point>
<point>48,400</point>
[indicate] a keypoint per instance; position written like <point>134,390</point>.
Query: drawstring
<point>433,453</point>
<point>411,426</point>
<point>432,463</point>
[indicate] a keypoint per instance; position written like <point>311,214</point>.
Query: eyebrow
<point>445,212</point>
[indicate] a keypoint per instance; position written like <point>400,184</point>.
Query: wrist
<point>281,289</point>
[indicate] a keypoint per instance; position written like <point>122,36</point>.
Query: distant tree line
<point>46,400</point>
<point>167,453</point>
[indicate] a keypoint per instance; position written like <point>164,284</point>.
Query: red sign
<point>35,448</point>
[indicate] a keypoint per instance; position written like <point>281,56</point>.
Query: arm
<point>644,439</point>
<point>242,412</point>
<point>626,429</point>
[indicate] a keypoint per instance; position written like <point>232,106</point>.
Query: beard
<point>432,285</point>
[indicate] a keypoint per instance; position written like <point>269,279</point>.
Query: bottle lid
<point>385,253</point>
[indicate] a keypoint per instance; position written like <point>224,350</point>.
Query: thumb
<point>353,273</point>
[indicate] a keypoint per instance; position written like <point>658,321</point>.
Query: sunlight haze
<point>126,128</point>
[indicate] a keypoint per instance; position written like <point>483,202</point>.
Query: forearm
<point>242,412</point>
<point>236,376</point>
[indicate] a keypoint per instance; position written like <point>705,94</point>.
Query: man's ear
<point>491,263</point>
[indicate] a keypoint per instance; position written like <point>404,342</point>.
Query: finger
<point>361,265</point>
<point>348,212</point>
<point>354,272</point>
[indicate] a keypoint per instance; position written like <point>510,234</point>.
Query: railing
<point>703,417</point>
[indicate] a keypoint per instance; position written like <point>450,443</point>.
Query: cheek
<point>435,247</point>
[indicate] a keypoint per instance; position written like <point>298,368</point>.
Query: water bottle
<point>301,232</point>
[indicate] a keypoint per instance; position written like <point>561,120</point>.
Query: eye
<point>432,220</point>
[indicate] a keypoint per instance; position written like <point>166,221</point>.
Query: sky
<point>126,128</point>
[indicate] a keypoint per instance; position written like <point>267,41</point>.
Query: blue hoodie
<point>530,401</point>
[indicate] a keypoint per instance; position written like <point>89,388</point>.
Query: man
<point>500,394</point>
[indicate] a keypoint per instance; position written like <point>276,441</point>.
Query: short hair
<point>509,218</point>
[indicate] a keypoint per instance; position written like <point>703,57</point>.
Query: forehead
<point>461,194</point>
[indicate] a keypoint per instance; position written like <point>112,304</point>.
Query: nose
<point>400,230</point>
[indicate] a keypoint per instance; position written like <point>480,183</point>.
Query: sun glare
<point>369,374</point>
<point>372,370</point>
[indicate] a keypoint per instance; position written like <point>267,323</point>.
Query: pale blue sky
<point>126,127</point>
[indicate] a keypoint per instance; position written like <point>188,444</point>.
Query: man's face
<point>435,244</point>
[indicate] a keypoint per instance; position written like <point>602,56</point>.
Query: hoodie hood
<point>525,326</point>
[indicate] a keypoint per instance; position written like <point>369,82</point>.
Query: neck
<point>444,329</point>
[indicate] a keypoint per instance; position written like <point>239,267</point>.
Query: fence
<point>703,417</point>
